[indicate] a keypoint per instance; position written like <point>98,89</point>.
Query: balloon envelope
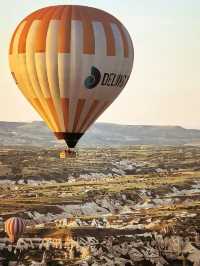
<point>14,227</point>
<point>70,62</point>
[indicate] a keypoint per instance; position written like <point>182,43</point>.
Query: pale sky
<point>164,88</point>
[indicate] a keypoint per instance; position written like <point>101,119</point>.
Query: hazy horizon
<point>164,85</point>
<point>106,122</point>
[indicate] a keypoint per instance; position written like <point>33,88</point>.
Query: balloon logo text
<point>109,79</point>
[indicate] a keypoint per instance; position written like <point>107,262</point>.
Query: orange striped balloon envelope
<point>14,227</point>
<point>70,62</point>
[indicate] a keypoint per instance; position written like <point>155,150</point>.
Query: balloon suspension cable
<point>71,152</point>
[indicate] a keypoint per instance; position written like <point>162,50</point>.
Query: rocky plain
<point>130,205</point>
<point>125,199</point>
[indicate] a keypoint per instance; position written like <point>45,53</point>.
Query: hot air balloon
<point>70,62</point>
<point>14,227</point>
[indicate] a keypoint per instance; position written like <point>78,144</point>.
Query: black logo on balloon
<point>93,80</point>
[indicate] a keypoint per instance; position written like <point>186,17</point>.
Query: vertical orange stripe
<point>65,109</point>
<point>124,40</point>
<point>52,13</point>
<point>29,20</point>
<point>110,41</point>
<point>8,226</point>
<point>89,114</point>
<point>88,33</point>
<point>64,36</point>
<point>13,38</point>
<point>53,112</point>
<point>11,227</point>
<point>79,108</point>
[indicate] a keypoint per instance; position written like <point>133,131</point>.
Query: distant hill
<point>37,134</point>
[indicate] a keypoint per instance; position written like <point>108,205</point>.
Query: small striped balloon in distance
<point>71,62</point>
<point>14,227</point>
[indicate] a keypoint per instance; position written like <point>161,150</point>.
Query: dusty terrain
<point>134,205</point>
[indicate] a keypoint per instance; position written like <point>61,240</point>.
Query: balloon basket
<point>69,153</point>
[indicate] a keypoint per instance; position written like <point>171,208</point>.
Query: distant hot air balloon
<point>14,227</point>
<point>71,62</point>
